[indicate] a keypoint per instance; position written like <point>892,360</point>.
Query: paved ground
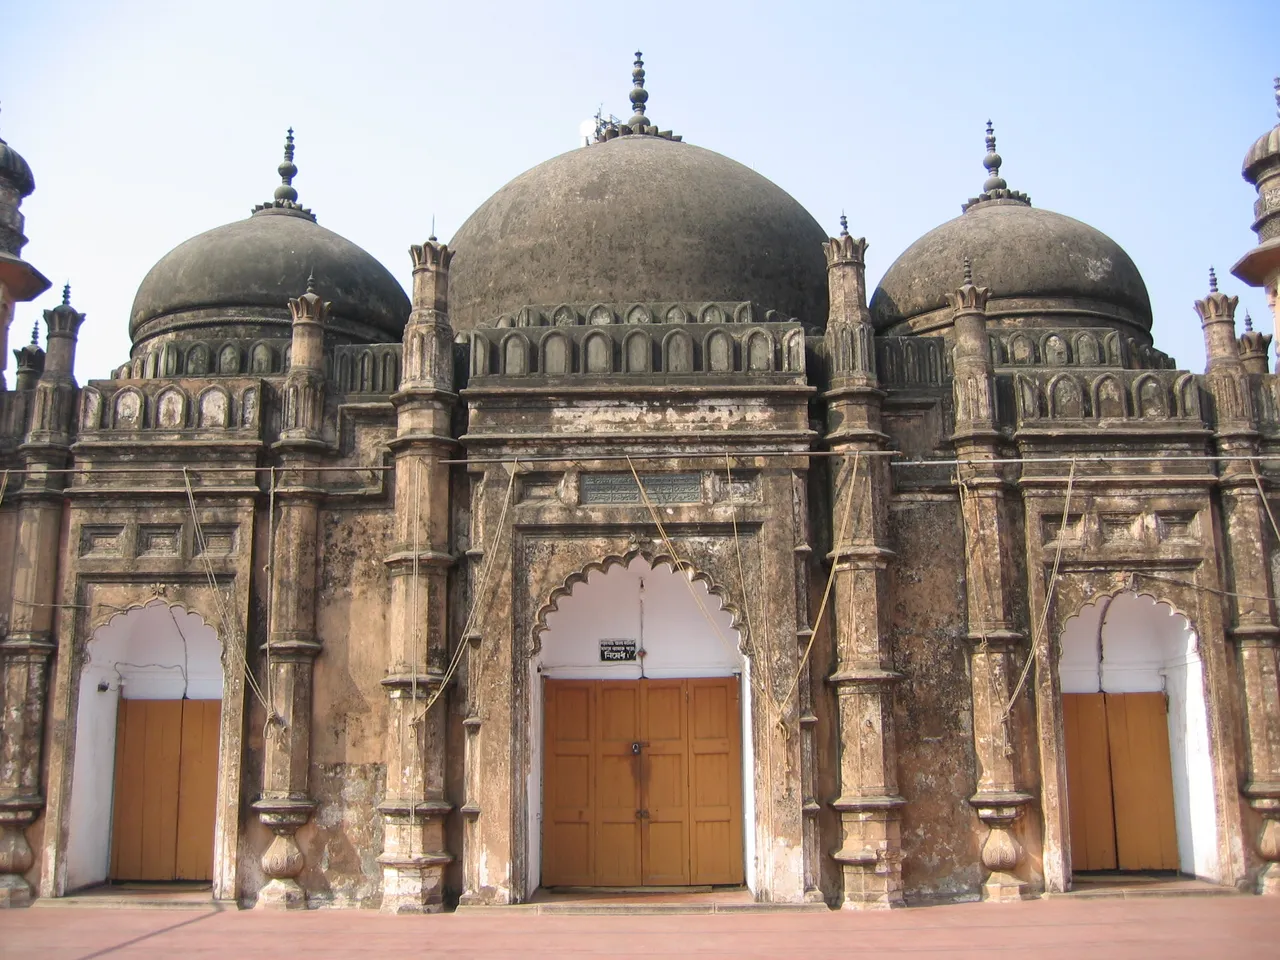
<point>1235,928</point>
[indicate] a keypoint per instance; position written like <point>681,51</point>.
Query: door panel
<point>665,783</point>
<point>197,789</point>
<point>617,785</point>
<point>145,818</point>
<point>1138,735</point>
<point>668,815</point>
<point>568,849</point>
<point>1093,834</point>
<point>715,781</point>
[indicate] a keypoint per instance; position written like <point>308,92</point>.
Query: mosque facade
<point>640,547</point>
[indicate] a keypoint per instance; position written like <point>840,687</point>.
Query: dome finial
<point>1213,281</point>
<point>639,95</point>
<point>288,170</point>
<point>844,224</point>
<point>992,162</point>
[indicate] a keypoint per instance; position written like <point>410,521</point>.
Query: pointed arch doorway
<point>640,703</point>
<point>144,778</point>
<point>1140,780</point>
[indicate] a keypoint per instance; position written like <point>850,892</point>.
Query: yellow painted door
<point>197,789</point>
<point>1142,779</point>
<point>715,781</point>
<point>569,783</point>
<point>165,789</point>
<point>642,783</point>
<point>1093,832</point>
<point>664,783</point>
<point>618,824</point>
<point>145,815</point>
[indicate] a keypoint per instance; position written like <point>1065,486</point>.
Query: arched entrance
<point>1140,779</point>
<point>639,696</point>
<point>144,781</point>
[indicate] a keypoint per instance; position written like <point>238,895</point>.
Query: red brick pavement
<point>1235,928</point>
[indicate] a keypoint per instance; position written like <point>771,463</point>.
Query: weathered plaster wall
<point>941,835</point>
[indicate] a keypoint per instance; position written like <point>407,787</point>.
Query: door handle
<point>636,745</point>
<point>642,814</point>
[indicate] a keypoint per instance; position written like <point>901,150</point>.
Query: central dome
<point>638,219</point>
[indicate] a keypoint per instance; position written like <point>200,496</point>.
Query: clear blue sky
<point>147,122</point>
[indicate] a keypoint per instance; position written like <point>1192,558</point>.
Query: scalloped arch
<point>1159,601</point>
<point>655,558</point>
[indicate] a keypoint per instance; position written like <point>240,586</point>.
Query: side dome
<point>1038,264</point>
<point>638,219</point>
<point>236,280</point>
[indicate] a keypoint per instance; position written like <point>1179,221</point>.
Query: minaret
<point>29,642</point>
<point>414,852</point>
<point>19,281</point>
<point>1254,348</point>
<point>868,804</point>
<point>293,642</point>
<point>1260,267</point>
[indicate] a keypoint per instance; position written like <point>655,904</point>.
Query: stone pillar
<point>993,641</point>
<point>26,649</point>
<point>870,852</point>
<point>292,642</point>
<point>414,854</point>
<point>1248,538</point>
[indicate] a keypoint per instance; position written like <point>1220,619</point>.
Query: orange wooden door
<point>1142,780</point>
<point>145,816</point>
<point>165,789</point>
<point>715,781</point>
<point>665,783</point>
<point>569,783</point>
<point>618,824</point>
<point>197,789</point>
<point>1093,832</point>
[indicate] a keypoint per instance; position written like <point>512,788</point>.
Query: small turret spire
<point>968,270</point>
<point>288,170</point>
<point>1213,281</point>
<point>1248,322</point>
<point>1277,86</point>
<point>311,282</point>
<point>35,334</point>
<point>844,224</point>
<point>66,295</point>
<point>639,95</point>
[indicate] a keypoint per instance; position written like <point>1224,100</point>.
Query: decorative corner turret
<point>428,336</point>
<point>30,359</point>
<point>1254,348</point>
<point>1217,314</point>
<point>850,336</point>
<point>285,200</point>
<point>304,381</point>
<point>63,322</point>
<point>995,189</point>
<point>973,384</point>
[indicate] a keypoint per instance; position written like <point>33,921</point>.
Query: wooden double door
<point>642,783</point>
<point>166,785</point>
<point>1119,782</point>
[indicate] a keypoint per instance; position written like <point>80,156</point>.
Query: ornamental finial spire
<point>968,270</point>
<point>288,170</point>
<point>844,224</point>
<point>1248,322</point>
<point>1277,85</point>
<point>35,334</point>
<point>992,162</point>
<point>66,295</point>
<point>639,95</point>
<point>1213,281</point>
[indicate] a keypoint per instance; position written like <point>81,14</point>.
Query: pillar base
<point>413,885</point>
<point>14,892</point>
<point>1269,881</point>
<point>282,894</point>
<point>1006,888</point>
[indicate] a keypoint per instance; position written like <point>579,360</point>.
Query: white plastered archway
<point>684,632</point>
<point>155,652</point>
<point>1133,643</point>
